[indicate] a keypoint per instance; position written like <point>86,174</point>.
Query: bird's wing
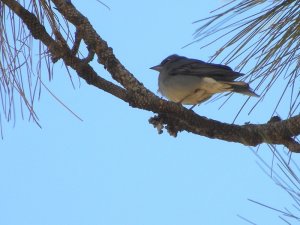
<point>199,68</point>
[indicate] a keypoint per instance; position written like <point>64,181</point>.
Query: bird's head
<point>167,62</point>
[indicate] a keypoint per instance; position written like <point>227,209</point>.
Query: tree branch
<point>171,116</point>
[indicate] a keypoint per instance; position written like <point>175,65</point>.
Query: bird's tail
<point>242,88</point>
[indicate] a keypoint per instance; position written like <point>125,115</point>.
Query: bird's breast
<point>189,90</point>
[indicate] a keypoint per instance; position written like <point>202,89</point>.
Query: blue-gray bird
<point>192,81</point>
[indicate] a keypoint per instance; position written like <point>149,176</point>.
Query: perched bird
<point>191,81</point>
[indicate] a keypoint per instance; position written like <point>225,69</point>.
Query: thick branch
<point>104,53</point>
<point>84,70</point>
<point>176,117</point>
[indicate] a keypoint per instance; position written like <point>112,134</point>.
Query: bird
<point>191,81</point>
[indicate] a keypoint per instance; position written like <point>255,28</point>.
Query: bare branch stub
<point>77,41</point>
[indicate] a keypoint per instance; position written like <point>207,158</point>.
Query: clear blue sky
<point>113,168</point>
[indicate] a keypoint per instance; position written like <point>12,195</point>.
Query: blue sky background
<point>113,168</point>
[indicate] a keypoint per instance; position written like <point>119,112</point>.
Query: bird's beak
<point>157,68</point>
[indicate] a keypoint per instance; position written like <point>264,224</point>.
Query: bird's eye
<point>171,58</point>
<point>165,61</point>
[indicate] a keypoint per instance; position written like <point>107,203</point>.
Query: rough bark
<point>170,116</point>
